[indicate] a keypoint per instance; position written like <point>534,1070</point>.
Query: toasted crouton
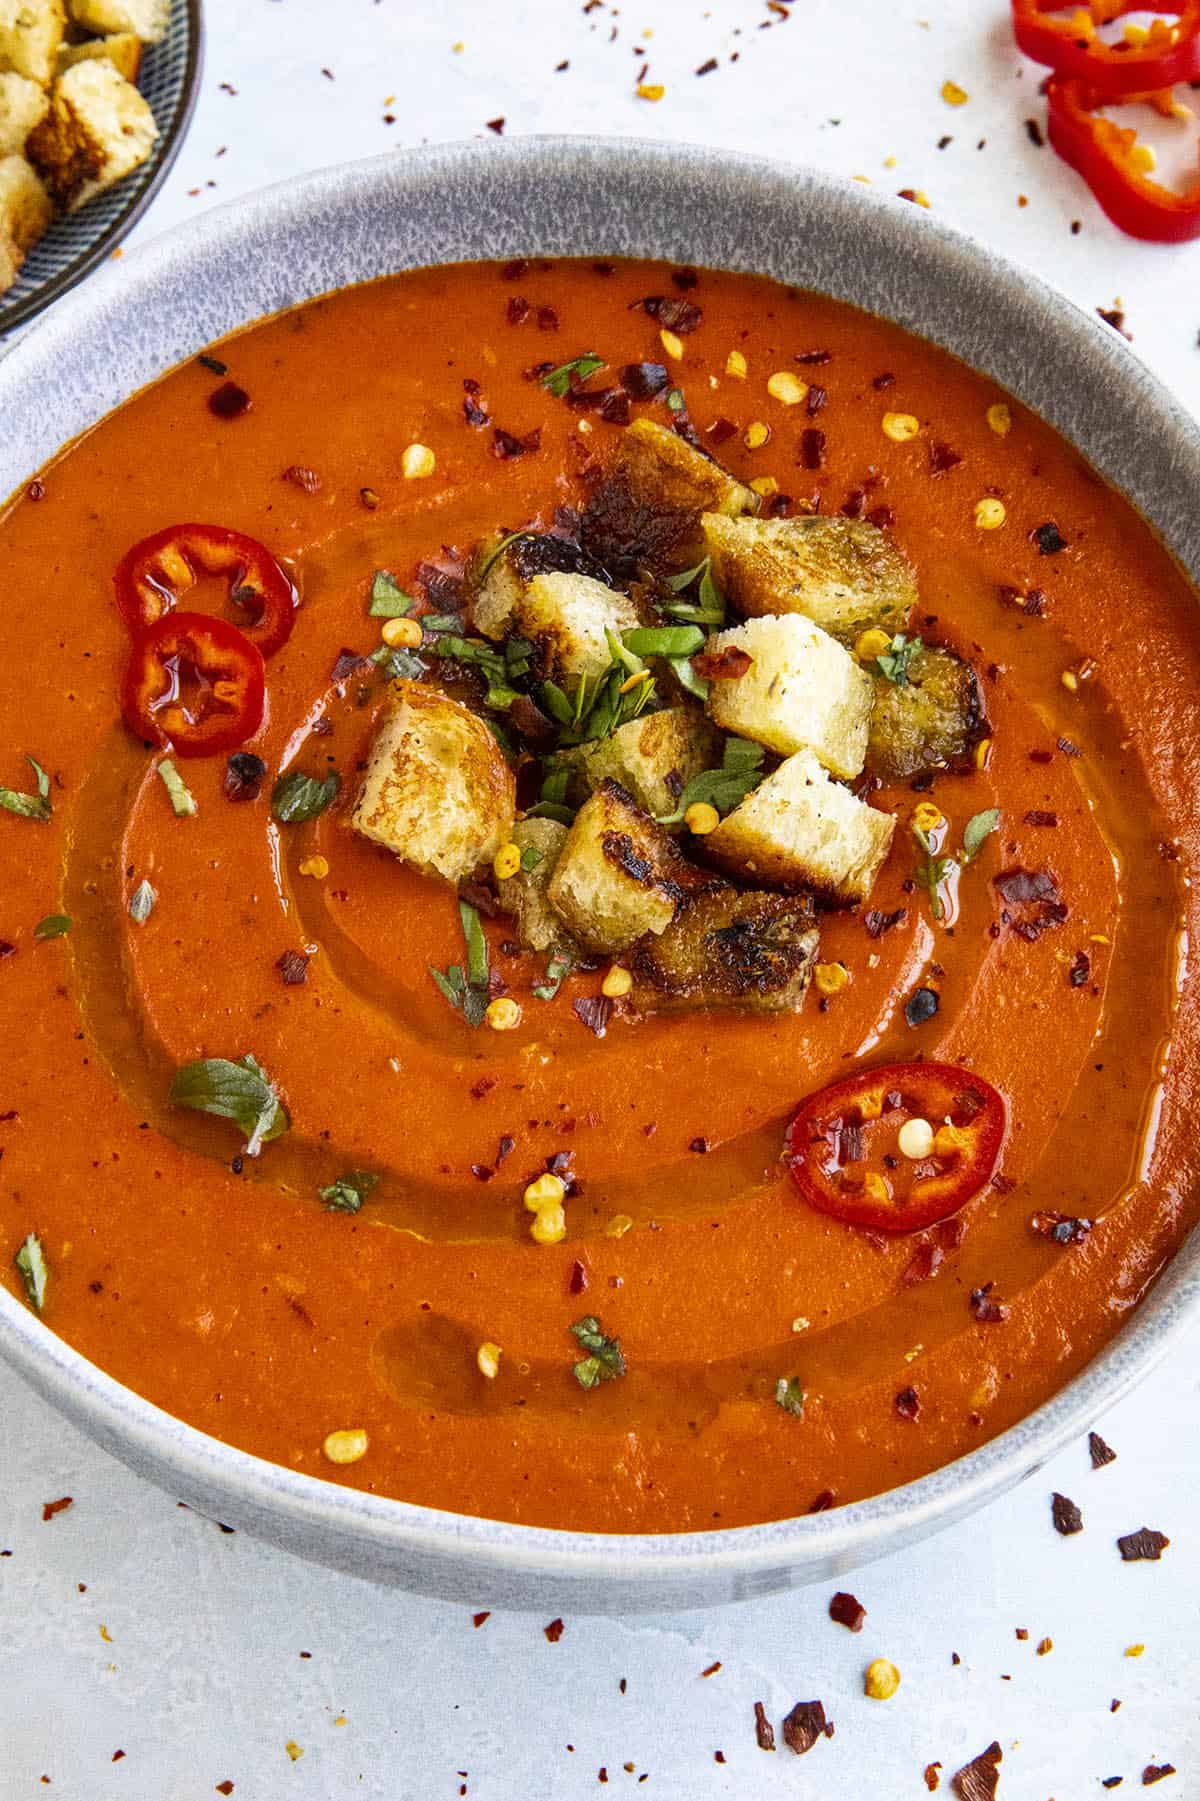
<point>437,790</point>
<point>23,104</point>
<point>123,50</point>
<point>539,927</point>
<point>25,209</point>
<point>10,263</point>
<point>504,569</point>
<point>30,33</point>
<point>619,876</point>
<point>664,471</point>
<point>729,949</point>
<point>566,617</point>
<point>145,19</point>
<point>800,830</point>
<point>98,129</point>
<point>802,691</point>
<point>933,721</point>
<point>654,757</point>
<point>844,573</point>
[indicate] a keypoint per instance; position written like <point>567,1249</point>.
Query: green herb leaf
<point>388,599</point>
<point>240,1090</point>
<point>348,1193</point>
<point>556,703</point>
<point>664,640</point>
<point>477,950</point>
<point>531,856</point>
<point>297,797</point>
<point>29,806</point>
<point>931,872</point>
<point>55,925</point>
<point>31,1262</point>
<point>558,381</point>
<point>441,622</point>
<point>740,773</point>
<point>979,827</point>
<point>893,663</point>
<point>469,993</point>
<point>790,1396</point>
<point>451,983</point>
<point>551,809</point>
<point>604,1361</point>
<point>393,664</point>
<point>494,555</point>
<point>558,969</point>
<point>183,801</point>
<point>687,678</point>
<point>141,903</point>
<point>709,605</point>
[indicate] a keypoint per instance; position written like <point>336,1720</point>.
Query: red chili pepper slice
<point>1167,53</point>
<point>1105,154</point>
<point>843,1146</point>
<point>151,577</point>
<point>195,684</point>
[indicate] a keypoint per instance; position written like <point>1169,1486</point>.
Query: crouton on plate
<point>23,104</point>
<point>98,129</point>
<point>933,720</point>
<point>437,790</point>
<point>802,691</point>
<point>30,34</point>
<point>654,757</point>
<point>567,617</point>
<point>729,949</point>
<point>539,927</point>
<point>800,830</point>
<point>844,573</point>
<point>25,209</point>
<point>122,49</point>
<point>619,875</point>
<point>144,19</point>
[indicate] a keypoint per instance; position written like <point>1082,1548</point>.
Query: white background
<point>200,1678</point>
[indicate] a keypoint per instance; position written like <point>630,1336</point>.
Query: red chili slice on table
<point>1157,57</point>
<point>843,1147</point>
<point>195,684</point>
<point>151,577</point>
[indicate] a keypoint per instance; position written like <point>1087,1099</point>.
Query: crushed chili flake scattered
<point>1036,816</point>
<point>882,517</point>
<point>813,356</point>
<point>764,1732</point>
<point>1019,885</point>
<point>1066,1515</point>
<point>477,1619</point>
<point>878,923</point>
<point>244,774</point>
<point>505,445</point>
<point>554,1631</point>
<point>886,380</point>
<point>1033,132</point>
<point>804,1725</point>
<point>1063,1228</point>
<point>925,1262</point>
<point>721,430</point>
<point>301,476</point>
<point>517,310</point>
<point>1144,1545</point>
<point>1111,1781</point>
<point>369,498</point>
<point>1115,316</point>
<point>223,1788</point>
<point>473,413</point>
<point>932,1779</point>
<point>908,1404</point>
<point>293,967</point>
<point>228,401</point>
<point>712,1669</point>
<point>707,68</point>
<point>718,1756</point>
<point>727,665</point>
<point>812,448</point>
<point>846,1610</point>
<point>547,319</point>
<point>483,1086</point>
<point>1048,538</point>
<point>1080,970</point>
<point>701,1146</point>
<point>679,316</point>
<point>577,1284</point>
<point>979,1779</point>
<point>496,125</point>
<point>984,1308</point>
<point>942,458</point>
<point>821,1503</point>
<point>36,490</point>
<point>817,397</point>
<point>1099,1452</point>
<point>1155,1772</point>
<point>593,1011</point>
<point>50,1508</point>
<point>1044,1646</point>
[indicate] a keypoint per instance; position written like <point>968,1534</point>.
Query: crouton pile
<point>72,122</point>
<point>642,774</point>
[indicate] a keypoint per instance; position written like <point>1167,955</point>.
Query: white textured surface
<point>203,1681</point>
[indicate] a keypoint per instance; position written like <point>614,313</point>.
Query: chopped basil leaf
<point>687,677</point>
<point>893,663</point>
<point>469,993</point>
<point>558,381</point>
<point>141,903</point>
<point>557,970</point>
<point>241,1091</point>
<point>29,806</point>
<point>979,827</point>
<point>182,799</point>
<point>740,773</point>
<point>441,622</point>
<point>348,1193</point>
<point>709,606</point>
<point>31,1262</point>
<point>663,640</point>
<point>451,983</point>
<point>395,664</point>
<point>55,925</point>
<point>477,951</point>
<point>604,1361</point>
<point>388,599</point>
<point>790,1396</point>
<point>297,797</point>
<point>556,703</point>
<point>531,856</point>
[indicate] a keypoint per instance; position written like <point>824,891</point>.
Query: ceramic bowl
<point>567,197</point>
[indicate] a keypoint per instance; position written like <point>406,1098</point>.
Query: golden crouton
<point>619,875</point>
<point>30,33</point>
<point>145,19</point>
<point>123,50</point>
<point>664,471</point>
<point>654,757</point>
<point>524,895</point>
<point>23,104</point>
<point>99,128</point>
<point>10,263</point>
<point>844,573</point>
<point>567,617</point>
<point>437,790</point>
<point>25,212</point>
<point>933,720</point>
<point>800,830</point>
<point>802,691</point>
<point>729,949</point>
<point>504,567</point>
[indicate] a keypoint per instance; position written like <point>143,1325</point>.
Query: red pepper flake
<point>1041,756</point>
<point>885,380</point>
<point>496,125</point>
<point>1070,749</point>
<point>347,662</point>
<point>812,448</point>
<point>228,401</point>
<point>293,967</point>
<point>1033,132</point>
<point>1048,538</point>
<point>925,1262</point>
<point>505,446</point>
<point>701,1146</point>
<point>1022,1633</point>
<point>36,490</point>
<point>1066,1515</point>
<point>679,316</point>
<point>302,477</point>
<point>764,1732</point>
<point>547,319</point>
<point>1099,1452</point>
<point>727,665</point>
<point>1017,886</point>
<point>50,1508</point>
<point>1044,1647</point>
<point>707,69</point>
<point>817,397</point>
<point>1154,1772</point>
<point>941,458</point>
<point>517,309</point>
<point>1114,316</point>
<point>643,381</point>
<point>554,1631</point>
<point>822,1502</point>
<point>244,774</point>
<point>1063,1228</point>
<point>846,1610</point>
<point>1111,1781</point>
<point>881,517</point>
<point>1080,970</point>
<point>979,1779</point>
<point>718,1756</point>
<point>804,1725</point>
<point>593,1011</point>
<point>1035,816</point>
<point>932,1779</point>
<point>223,1788</point>
<point>484,1086</point>
<point>987,1311</point>
<point>721,430</point>
<point>473,413</point>
<point>1144,1545</point>
<point>514,270</point>
<point>712,1669</point>
<point>908,1404</point>
<point>813,357</point>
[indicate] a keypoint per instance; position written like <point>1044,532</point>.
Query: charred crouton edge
<point>729,948</point>
<point>567,619</point>
<point>933,721</point>
<point>653,758</point>
<point>539,927</point>
<point>845,574</point>
<point>99,128</point>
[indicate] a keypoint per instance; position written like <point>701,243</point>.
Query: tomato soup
<point>342,1275</point>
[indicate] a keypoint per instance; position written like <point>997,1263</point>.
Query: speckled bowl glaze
<point>584,197</point>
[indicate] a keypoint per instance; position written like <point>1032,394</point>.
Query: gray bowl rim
<point>725,1560</point>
